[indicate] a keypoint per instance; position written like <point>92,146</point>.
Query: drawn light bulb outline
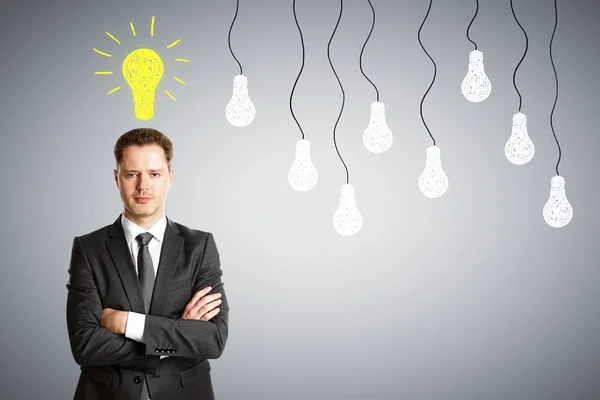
<point>476,86</point>
<point>347,220</point>
<point>303,175</point>
<point>377,137</point>
<point>142,69</point>
<point>557,211</point>
<point>433,181</point>
<point>240,110</point>
<point>519,148</point>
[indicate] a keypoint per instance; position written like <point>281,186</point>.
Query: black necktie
<point>145,269</point>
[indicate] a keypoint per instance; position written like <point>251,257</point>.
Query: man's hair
<point>141,137</point>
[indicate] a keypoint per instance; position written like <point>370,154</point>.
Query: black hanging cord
<point>301,68</point>
<point>476,10</point>
<point>229,36</point>
<point>363,49</point>
<point>341,87</point>
<point>522,58</point>
<point>556,79</point>
<point>434,71</point>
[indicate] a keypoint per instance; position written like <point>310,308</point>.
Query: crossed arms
<point>97,336</point>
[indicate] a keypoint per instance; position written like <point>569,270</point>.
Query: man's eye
<point>156,173</point>
<point>130,175</point>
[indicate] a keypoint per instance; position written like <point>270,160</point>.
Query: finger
<point>194,304</point>
<point>196,297</point>
<point>192,309</point>
<point>197,313</point>
<point>200,293</point>
<point>211,314</point>
<point>207,307</point>
<point>186,316</point>
<point>202,302</point>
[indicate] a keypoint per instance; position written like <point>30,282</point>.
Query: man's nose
<point>144,181</point>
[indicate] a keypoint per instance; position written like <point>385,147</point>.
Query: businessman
<point>146,307</point>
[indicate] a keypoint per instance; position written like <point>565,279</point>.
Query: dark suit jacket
<point>102,274</point>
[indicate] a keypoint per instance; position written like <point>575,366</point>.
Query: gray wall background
<point>469,296</point>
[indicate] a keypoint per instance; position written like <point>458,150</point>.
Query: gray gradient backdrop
<point>469,296</point>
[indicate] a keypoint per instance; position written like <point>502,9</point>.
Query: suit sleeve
<point>192,338</point>
<point>91,344</point>
<point>135,327</point>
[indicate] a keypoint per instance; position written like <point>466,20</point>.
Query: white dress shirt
<point>134,329</point>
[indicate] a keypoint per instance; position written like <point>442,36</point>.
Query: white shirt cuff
<point>135,326</point>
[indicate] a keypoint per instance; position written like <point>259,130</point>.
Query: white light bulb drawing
<point>476,86</point>
<point>557,211</point>
<point>519,148</point>
<point>378,137</point>
<point>347,220</point>
<point>433,182</point>
<point>303,175</point>
<point>240,110</point>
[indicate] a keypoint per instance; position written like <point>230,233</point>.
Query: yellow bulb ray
<point>132,28</point>
<point>102,53</point>
<point>152,27</point>
<point>112,37</point>
<point>169,94</point>
<point>114,90</point>
<point>178,80</point>
<point>173,44</point>
<point>103,73</point>
<point>182,60</point>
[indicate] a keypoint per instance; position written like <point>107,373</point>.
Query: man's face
<point>143,179</point>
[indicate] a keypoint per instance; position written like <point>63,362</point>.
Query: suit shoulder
<point>100,233</point>
<point>190,233</point>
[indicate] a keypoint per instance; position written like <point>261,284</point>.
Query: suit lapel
<point>169,256</point>
<point>121,256</point>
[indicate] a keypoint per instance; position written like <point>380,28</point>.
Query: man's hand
<point>201,307</point>
<point>114,320</point>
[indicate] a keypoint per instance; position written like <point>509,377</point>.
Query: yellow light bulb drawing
<point>142,70</point>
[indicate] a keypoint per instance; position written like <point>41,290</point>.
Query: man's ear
<point>116,173</point>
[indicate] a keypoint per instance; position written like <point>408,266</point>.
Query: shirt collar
<point>131,229</point>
